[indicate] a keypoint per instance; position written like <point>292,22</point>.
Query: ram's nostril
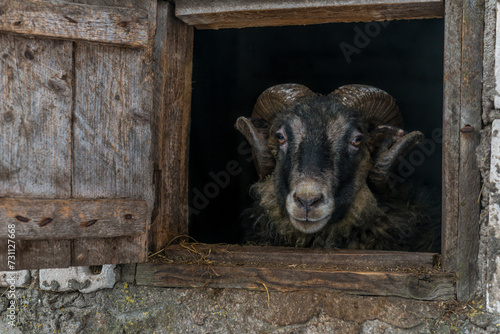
<point>307,201</point>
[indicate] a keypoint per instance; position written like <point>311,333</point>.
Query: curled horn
<point>277,98</point>
<point>384,121</point>
<point>376,106</point>
<point>256,128</point>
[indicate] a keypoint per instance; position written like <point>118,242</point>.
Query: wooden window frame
<point>284,269</point>
<point>165,46</point>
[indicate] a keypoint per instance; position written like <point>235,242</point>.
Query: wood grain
<point>35,118</point>
<point>35,121</point>
<point>77,124</point>
<point>464,23</point>
<point>406,285</point>
<point>128,273</point>
<point>40,254</point>
<point>112,132</point>
<point>39,219</point>
<point>243,13</point>
<point>470,178</point>
<point>44,254</point>
<point>173,67</point>
<point>237,255</point>
<point>96,251</point>
<point>451,126</point>
<point>36,254</point>
<point>73,21</point>
<point>112,135</point>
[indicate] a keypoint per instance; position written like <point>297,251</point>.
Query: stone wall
<point>131,309</point>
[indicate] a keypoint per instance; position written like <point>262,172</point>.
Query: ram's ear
<point>389,145</point>
<point>256,131</point>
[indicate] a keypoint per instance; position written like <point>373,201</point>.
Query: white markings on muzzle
<point>309,205</point>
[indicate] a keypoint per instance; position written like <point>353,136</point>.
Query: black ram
<point>325,165</point>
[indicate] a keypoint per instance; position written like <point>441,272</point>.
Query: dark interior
<point>232,67</point>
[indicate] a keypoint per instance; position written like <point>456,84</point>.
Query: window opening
<point>232,67</point>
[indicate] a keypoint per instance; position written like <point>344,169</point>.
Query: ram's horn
<point>256,128</point>
<point>383,176</point>
<point>376,106</point>
<point>390,144</point>
<point>276,98</point>
<point>256,132</point>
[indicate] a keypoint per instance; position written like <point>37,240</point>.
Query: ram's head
<point>322,150</point>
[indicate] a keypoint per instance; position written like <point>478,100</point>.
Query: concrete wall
<point>126,308</point>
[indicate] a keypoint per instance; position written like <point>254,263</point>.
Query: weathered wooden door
<point>76,149</point>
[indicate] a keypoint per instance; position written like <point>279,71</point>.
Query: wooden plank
<point>36,254</point>
<point>112,135</point>
<point>35,117</point>
<point>112,132</point>
<point>35,121</point>
<point>451,126</point>
<point>406,285</point>
<point>470,124</point>
<point>66,20</point>
<point>91,251</point>
<point>218,14</point>
<point>464,23</point>
<point>39,219</point>
<point>288,256</point>
<point>127,273</point>
<point>173,67</point>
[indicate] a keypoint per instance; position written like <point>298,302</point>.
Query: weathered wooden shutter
<point>76,149</point>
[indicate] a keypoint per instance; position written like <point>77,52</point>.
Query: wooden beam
<point>464,23</point>
<point>172,108</point>
<point>243,13</point>
<point>42,219</point>
<point>73,21</point>
<point>288,256</point>
<point>406,285</point>
<point>451,130</point>
<point>470,127</point>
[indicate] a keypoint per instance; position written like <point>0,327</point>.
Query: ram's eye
<point>280,137</point>
<point>357,140</point>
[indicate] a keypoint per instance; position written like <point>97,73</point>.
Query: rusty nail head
<point>128,216</point>
<point>45,221</point>
<point>89,223</point>
<point>22,219</point>
<point>467,129</point>
<point>70,19</point>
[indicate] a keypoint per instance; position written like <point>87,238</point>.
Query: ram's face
<point>318,147</point>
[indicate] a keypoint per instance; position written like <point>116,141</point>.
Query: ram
<point>328,172</point>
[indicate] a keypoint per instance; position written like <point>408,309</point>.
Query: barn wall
<point>127,308</point>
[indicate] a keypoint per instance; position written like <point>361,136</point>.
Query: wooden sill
<point>376,273</point>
